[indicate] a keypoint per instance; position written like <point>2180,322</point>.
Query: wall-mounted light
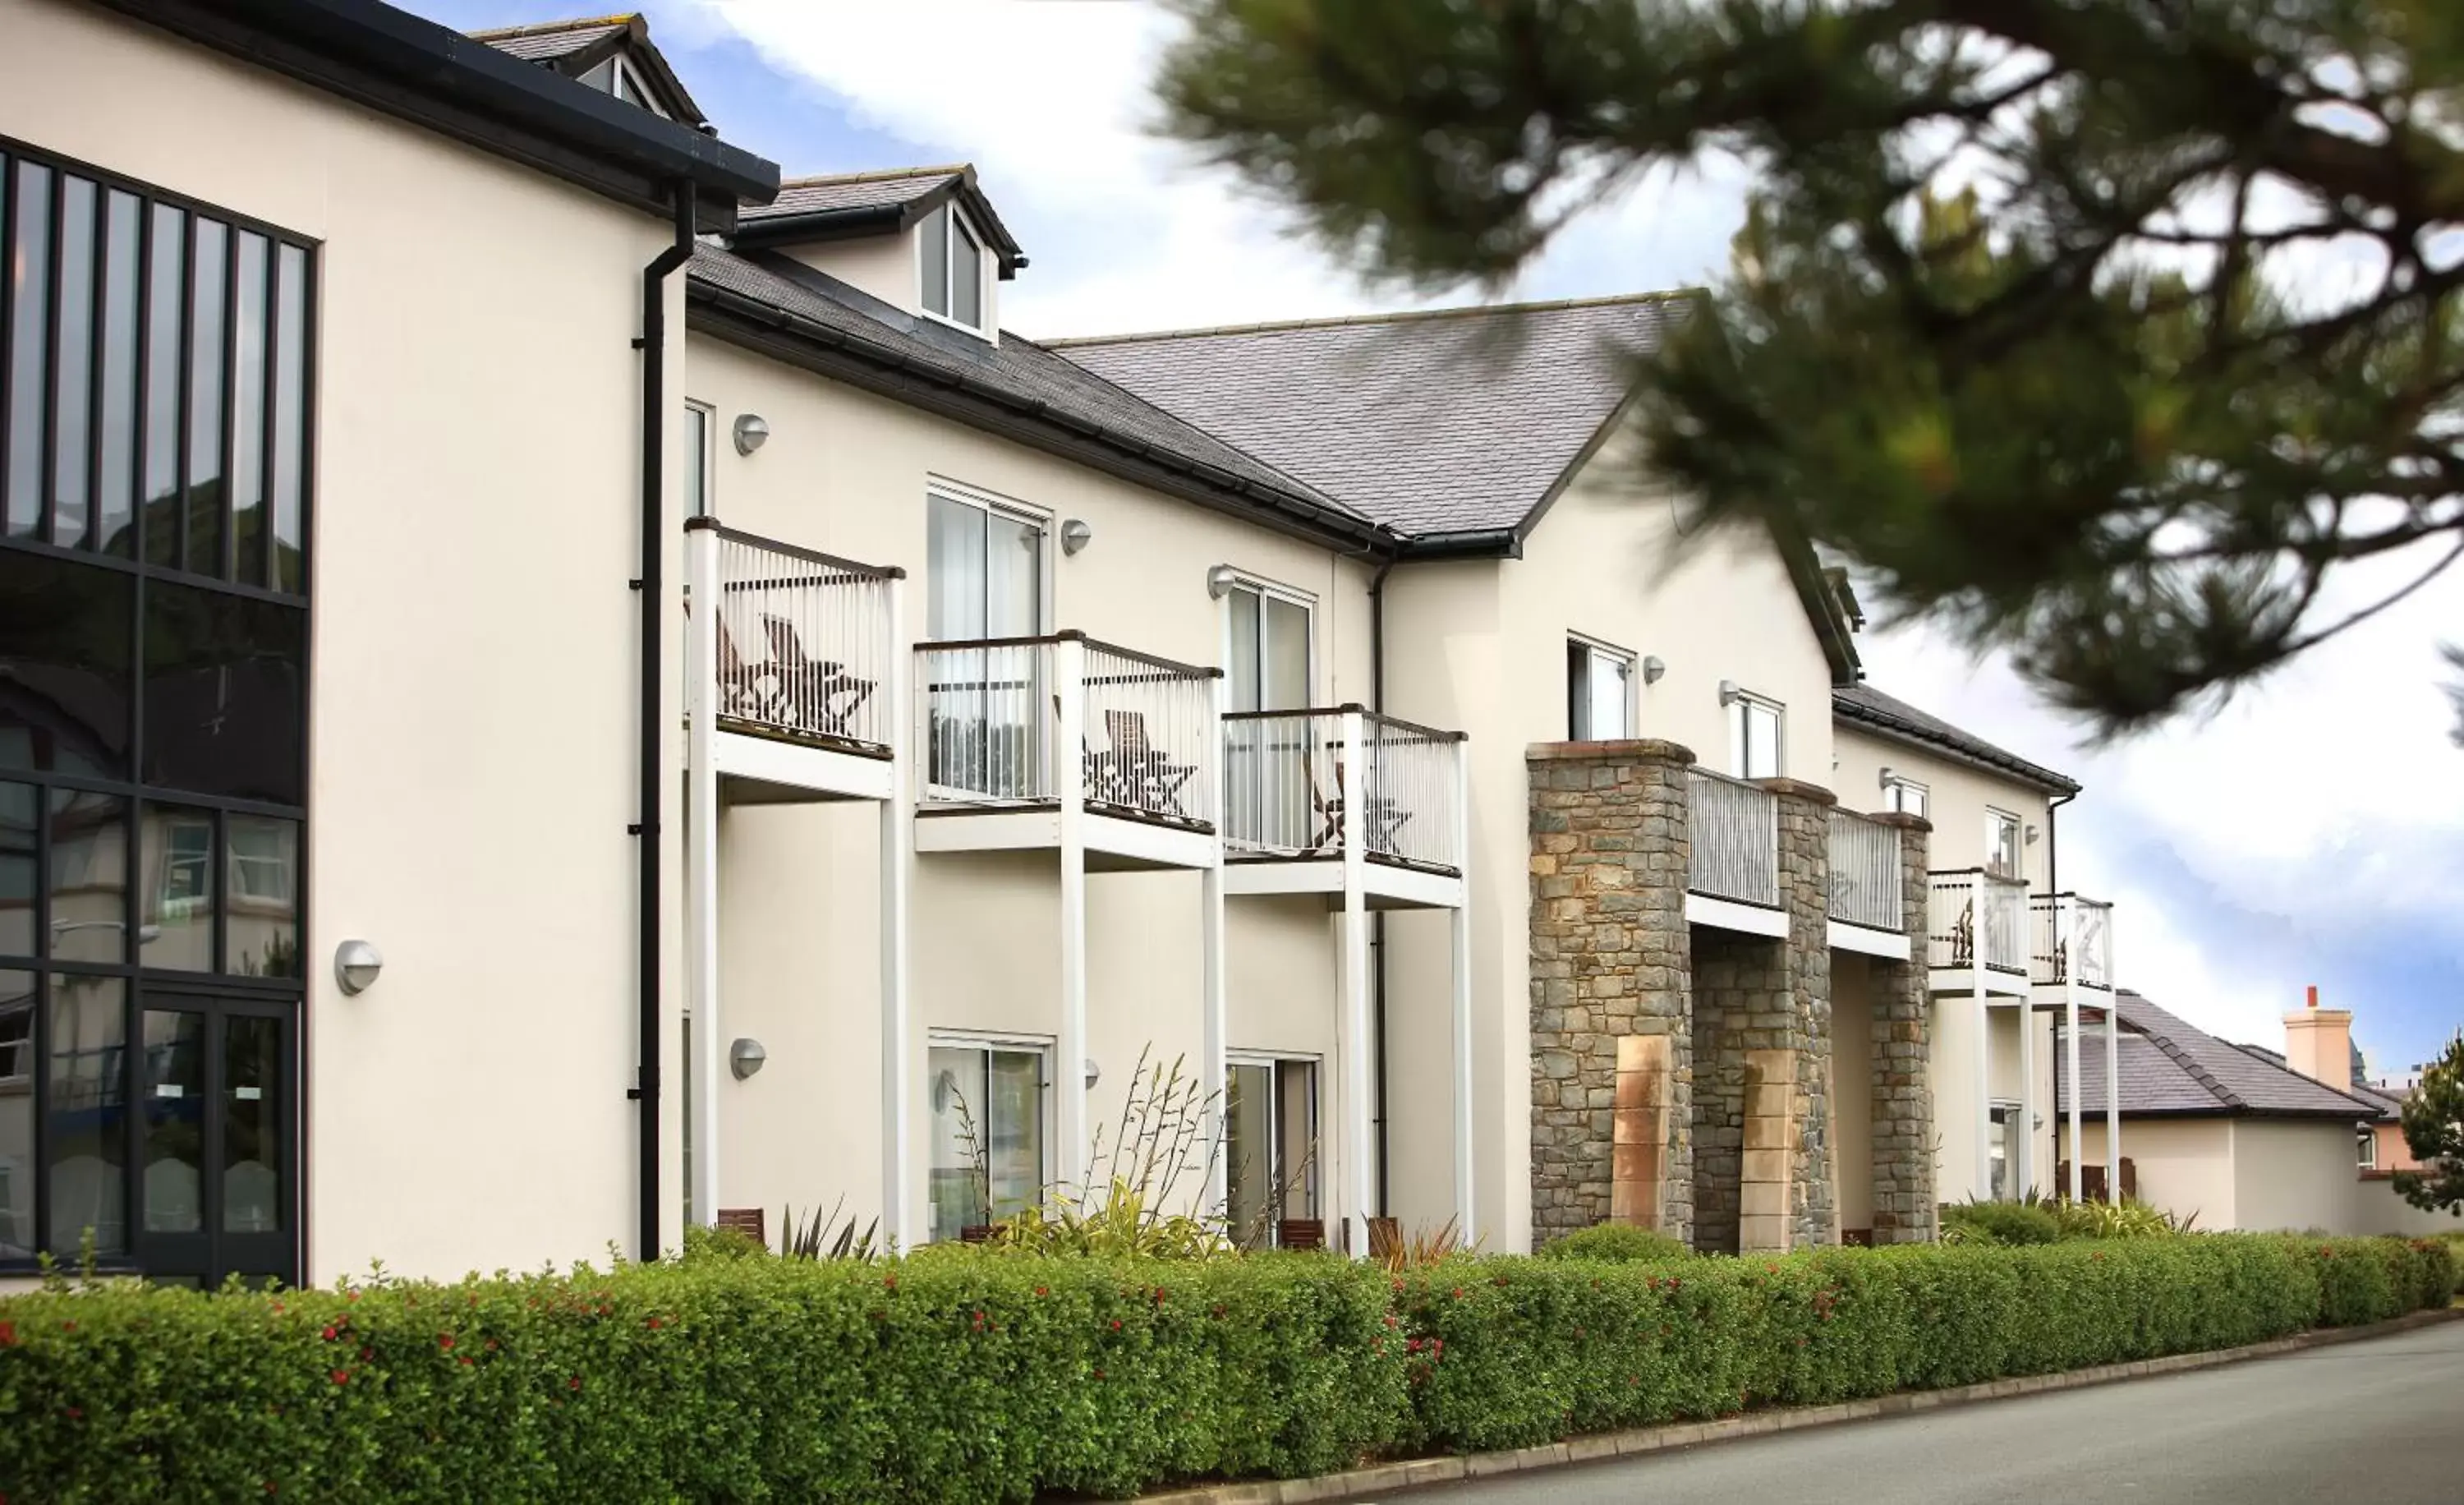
<point>1731,692</point>
<point>1094,1073</point>
<point>1220,580</point>
<point>1075,535</point>
<point>1652,668</point>
<point>356,965</point>
<point>1885,780</point>
<point>746,1056</point>
<point>2031,836</point>
<point>752,432</point>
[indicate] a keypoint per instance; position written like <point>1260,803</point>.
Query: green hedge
<point>956,1375</point>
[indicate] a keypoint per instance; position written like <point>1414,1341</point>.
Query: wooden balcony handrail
<point>1170,666</point>
<point>853,567</point>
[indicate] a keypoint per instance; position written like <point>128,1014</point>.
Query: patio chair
<point>744,691</point>
<point>821,696</point>
<point>1135,773</point>
<point>1963,936</point>
<point>1381,817</point>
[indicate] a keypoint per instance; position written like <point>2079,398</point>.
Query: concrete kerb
<point>1386,1479</point>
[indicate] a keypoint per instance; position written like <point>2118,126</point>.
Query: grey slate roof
<point>875,203</point>
<point>1866,707</point>
<point>549,40</point>
<point>853,190</point>
<point>1454,422</point>
<point>1017,372</point>
<point>2171,1067</point>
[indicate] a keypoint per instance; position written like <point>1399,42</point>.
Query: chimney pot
<point>2313,995</point>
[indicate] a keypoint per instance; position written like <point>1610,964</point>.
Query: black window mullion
<point>140,409</point>
<point>47,483</point>
<point>9,314</point>
<point>41,1038</point>
<point>98,360</point>
<point>268,366</point>
<point>226,493</point>
<point>218,884</point>
<point>132,1078</point>
<point>182,382</point>
<point>311,274</point>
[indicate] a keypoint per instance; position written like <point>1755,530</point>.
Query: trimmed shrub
<point>957,1374</point>
<point>2007,1222</point>
<point>1618,1242</point>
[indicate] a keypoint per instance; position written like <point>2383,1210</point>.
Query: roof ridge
<point>1402,315</point>
<point>875,176</point>
<point>499,34</point>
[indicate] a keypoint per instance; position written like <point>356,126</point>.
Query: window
<point>697,434</point>
<point>983,568</point>
<point>620,76</point>
<point>986,708</point>
<point>1600,698</point>
<point>1275,781</point>
<point>2002,844</point>
<point>1998,1147</point>
<point>986,1099</point>
<point>1905,796</point>
<point>1754,736</point>
<point>2368,1145</point>
<point>156,418</point>
<point>951,263</point>
<point>1271,1169</point>
<point>1268,664</point>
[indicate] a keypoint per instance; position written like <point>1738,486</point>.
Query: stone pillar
<point>1904,1207</point>
<point>1805,893</point>
<point>1611,1058</point>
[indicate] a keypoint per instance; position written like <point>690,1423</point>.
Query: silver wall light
<point>1885,780</point>
<point>746,1056</point>
<point>1653,669</point>
<point>356,965</point>
<point>1075,535</point>
<point>1729,691</point>
<point>1220,580</point>
<point>752,432</point>
<point>1094,1073</point>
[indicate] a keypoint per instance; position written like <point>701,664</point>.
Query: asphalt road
<point>2380,1422</point>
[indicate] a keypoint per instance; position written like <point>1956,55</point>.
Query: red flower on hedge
<point>445,1341</point>
<point>8,1334</point>
<point>1041,1291</point>
<point>890,1282</point>
<point>1099,1374</point>
<point>654,1322</point>
<point>1117,1324</point>
<point>574,1383</point>
<point>342,1376</point>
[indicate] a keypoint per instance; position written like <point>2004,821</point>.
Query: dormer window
<point>615,76</point>
<point>953,268</point>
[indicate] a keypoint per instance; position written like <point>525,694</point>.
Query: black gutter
<point>1378,925</point>
<point>653,345</point>
<point>431,75</point>
<point>1479,543</point>
<point>809,226</point>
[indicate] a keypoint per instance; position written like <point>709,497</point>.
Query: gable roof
<point>575,47</point>
<point>842,206</point>
<point>1456,421</point>
<point>414,70</point>
<point>772,303</point>
<point>1869,709</point>
<point>2170,1068</point>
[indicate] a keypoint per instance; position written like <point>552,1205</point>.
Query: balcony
<point>1977,932</point>
<point>1732,866</point>
<point>2071,941</point>
<point>1303,787</point>
<point>795,667</point>
<point>1866,912</point>
<point>1028,740</point>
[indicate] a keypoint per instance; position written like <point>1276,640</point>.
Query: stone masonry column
<point>1801,1057</point>
<point>1904,1209</point>
<point>1610,1054</point>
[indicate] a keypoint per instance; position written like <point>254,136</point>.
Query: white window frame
<point>1041,1046</point>
<point>17,1055</point>
<point>1896,789</point>
<point>620,74</point>
<point>1738,725</point>
<point>984,278</point>
<point>1600,649</point>
<point>704,453</point>
<point>2002,1118</point>
<point>2366,1149</point>
<point>1264,589</point>
<point>1321,1183</point>
<point>1996,820</point>
<point>1027,513</point>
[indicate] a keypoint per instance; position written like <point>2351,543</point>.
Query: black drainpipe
<point>2053,869</point>
<point>653,344</point>
<point>1377,922</point>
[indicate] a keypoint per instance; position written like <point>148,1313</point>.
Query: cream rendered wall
<point>1481,646</point>
<point>881,265</point>
<point>846,472</point>
<point>2185,1167</point>
<point>2378,1208</point>
<point>474,672</point>
<point>2292,1174</point>
<point>1961,794</point>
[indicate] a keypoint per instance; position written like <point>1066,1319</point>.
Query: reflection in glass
<point>73,361</point>
<point>16,1115</point>
<point>20,804</point>
<point>252,1154</point>
<point>225,687</point>
<point>115,483</point>
<point>30,263</point>
<point>987,1135</point>
<point>936,271</point>
<point>966,278</point>
<point>172,1100</point>
<point>178,927</point>
<point>64,666</point>
<point>86,1106</point>
<point>89,892</point>
<point>165,294</point>
<point>248,412</point>
<point>290,458</point>
<point>207,330</point>
<point>261,935</point>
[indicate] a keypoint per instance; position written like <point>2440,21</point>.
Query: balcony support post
<point>2071,1059</point>
<point>2021,1143</point>
<point>1459,923</point>
<point>701,865</point>
<point>1214,1048</point>
<point>1068,774</point>
<point>1981,1184</point>
<point>898,1069</point>
<point>1358,1173</point>
<point>2112,1104</point>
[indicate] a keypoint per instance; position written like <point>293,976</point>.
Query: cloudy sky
<point>2311,832</point>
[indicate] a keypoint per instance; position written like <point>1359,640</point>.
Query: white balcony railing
<point>1978,917</point>
<point>1733,828</point>
<point>804,644</point>
<point>1865,872</point>
<point>1288,776</point>
<point>990,722</point>
<point>2072,941</point>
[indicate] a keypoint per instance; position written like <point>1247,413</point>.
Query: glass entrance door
<point>217,1139</point>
